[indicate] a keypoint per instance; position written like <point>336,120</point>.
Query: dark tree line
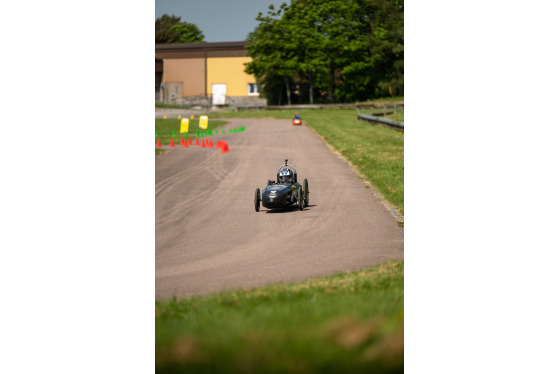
<point>170,29</point>
<point>329,51</point>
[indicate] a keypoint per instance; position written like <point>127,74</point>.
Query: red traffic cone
<point>172,144</point>
<point>196,142</point>
<point>225,148</point>
<point>210,145</point>
<point>158,143</point>
<point>189,141</point>
<point>219,144</point>
<point>185,144</point>
<point>203,144</point>
<point>181,140</point>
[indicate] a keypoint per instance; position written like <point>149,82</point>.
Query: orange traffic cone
<point>181,140</point>
<point>225,148</point>
<point>196,143</point>
<point>172,144</point>
<point>185,144</point>
<point>158,143</point>
<point>210,145</point>
<point>203,144</point>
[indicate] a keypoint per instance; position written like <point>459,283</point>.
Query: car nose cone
<point>275,196</point>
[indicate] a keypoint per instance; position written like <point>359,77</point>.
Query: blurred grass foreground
<point>346,323</point>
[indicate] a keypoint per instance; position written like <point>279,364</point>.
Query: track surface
<point>209,237</point>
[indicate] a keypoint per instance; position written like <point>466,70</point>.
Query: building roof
<point>202,47</point>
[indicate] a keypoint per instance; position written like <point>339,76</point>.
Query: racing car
<point>283,192</point>
<point>296,120</point>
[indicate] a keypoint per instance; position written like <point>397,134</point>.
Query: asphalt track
<point>208,237</point>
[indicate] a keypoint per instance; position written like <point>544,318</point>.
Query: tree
<point>386,44</point>
<point>335,50</point>
<point>170,29</point>
<point>268,52</point>
<point>187,33</point>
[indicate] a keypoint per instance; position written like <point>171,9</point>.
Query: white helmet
<point>285,176</point>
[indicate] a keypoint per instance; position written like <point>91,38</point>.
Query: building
<point>205,74</point>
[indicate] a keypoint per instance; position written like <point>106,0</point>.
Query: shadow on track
<point>289,209</point>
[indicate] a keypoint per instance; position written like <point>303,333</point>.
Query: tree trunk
<point>311,93</point>
<point>288,91</point>
<point>331,85</point>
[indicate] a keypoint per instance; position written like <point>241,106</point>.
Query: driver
<point>286,176</point>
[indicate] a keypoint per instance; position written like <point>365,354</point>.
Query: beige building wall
<point>189,71</point>
<point>229,71</point>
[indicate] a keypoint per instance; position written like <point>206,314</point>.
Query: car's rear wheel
<point>300,198</point>
<point>305,192</point>
<point>257,199</point>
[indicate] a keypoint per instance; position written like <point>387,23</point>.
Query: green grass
<point>377,152</point>
<point>165,128</point>
<point>347,323</point>
<point>396,114</point>
<point>159,151</point>
<point>395,99</point>
<point>172,106</point>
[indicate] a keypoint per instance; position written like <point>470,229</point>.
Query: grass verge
<point>171,106</point>
<point>350,322</point>
<point>166,127</point>
<point>377,152</point>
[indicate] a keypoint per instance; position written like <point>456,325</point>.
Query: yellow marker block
<point>184,125</point>
<point>192,116</point>
<point>203,122</point>
<point>165,116</point>
<point>179,117</point>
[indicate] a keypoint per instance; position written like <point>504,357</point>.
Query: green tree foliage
<point>170,29</point>
<point>329,50</point>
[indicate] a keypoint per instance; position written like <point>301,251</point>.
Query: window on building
<point>253,89</point>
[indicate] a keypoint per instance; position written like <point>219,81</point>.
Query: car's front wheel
<point>305,192</point>
<point>257,199</point>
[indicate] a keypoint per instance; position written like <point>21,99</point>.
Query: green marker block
<point>223,131</point>
<point>157,133</point>
<point>173,133</point>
